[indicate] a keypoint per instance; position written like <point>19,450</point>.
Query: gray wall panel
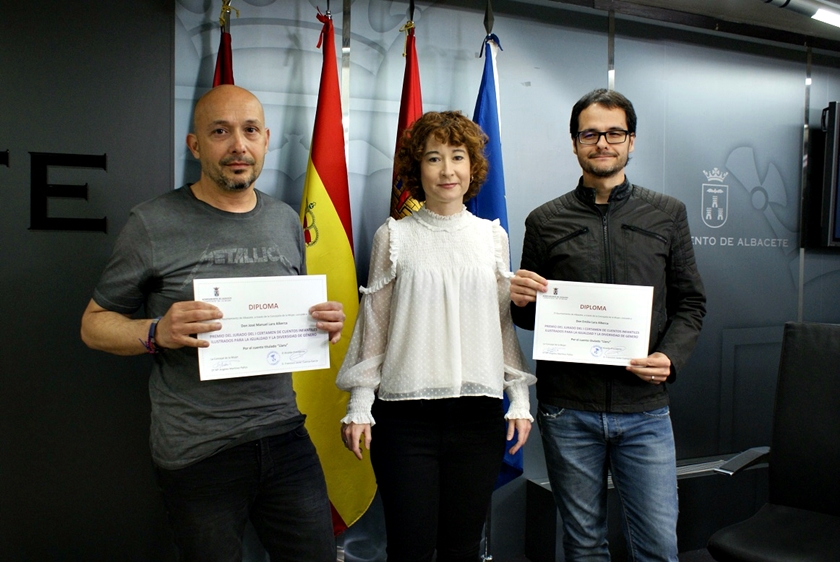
<point>75,477</point>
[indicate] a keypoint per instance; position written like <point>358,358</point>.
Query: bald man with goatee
<point>231,450</point>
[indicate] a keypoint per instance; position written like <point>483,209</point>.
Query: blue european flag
<point>490,201</point>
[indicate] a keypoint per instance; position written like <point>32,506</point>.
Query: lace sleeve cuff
<point>520,401</point>
<point>359,405</point>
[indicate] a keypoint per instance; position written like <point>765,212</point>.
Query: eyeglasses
<point>613,136</point>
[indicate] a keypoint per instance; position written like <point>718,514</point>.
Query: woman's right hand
<point>524,286</point>
<point>351,434</point>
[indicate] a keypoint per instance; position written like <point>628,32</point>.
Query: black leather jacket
<point>639,238</point>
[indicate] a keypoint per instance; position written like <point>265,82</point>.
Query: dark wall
<point>91,78</point>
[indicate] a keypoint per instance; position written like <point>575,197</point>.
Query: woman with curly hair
<point>433,350</point>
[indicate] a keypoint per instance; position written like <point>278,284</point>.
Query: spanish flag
<point>325,214</point>
<point>411,108</point>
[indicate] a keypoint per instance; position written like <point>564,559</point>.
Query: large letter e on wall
<point>42,190</point>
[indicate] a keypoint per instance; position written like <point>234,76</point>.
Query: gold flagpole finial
<point>408,25</point>
<point>224,15</point>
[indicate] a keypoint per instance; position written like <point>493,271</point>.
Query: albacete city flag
<point>325,214</point>
<point>224,58</point>
<point>224,62</point>
<point>411,108</point>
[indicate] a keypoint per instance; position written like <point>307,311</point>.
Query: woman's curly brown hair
<point>447,127</point>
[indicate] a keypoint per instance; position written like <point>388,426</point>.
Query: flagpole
<point>488,524</point>
<point>345,77</point>
<point>224,15</point>
<point>224,18</point>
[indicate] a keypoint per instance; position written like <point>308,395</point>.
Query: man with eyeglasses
<point>595,418</point>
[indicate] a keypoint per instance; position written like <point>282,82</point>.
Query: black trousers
<point>436,462</point>
<point>276,482</point>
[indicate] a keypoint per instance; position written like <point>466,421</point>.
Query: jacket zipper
<point>568,237</point>
<point>644,232</point>
<point>607,260</point>
<point>608,264</point>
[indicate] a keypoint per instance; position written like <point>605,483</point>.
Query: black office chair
<point>801,520</point>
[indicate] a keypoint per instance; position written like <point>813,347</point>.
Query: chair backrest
<point>805,448</point>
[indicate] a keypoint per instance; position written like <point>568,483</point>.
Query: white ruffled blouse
<point>434,321</point>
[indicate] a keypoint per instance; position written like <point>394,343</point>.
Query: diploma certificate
<point>266,326</point>
<point>592,323</point>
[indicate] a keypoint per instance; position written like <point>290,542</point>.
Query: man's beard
<point>239,182</point>
<point>590,168</point>
<point>236,183</point>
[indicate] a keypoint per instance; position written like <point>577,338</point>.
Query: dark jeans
<point>276,482</point>
<point>436,462</point>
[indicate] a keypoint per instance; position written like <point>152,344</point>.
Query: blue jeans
<point>638,449</point>
<point>276,482</point>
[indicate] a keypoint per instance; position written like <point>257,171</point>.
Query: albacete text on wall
<point>742,242</point>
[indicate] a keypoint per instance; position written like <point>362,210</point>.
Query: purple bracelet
<point>149,344</point>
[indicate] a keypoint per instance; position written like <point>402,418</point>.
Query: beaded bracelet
<point>149,344</point>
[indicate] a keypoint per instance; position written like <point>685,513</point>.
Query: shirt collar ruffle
<point>434,221</point>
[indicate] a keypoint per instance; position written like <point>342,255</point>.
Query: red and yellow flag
<point>325,214</point>
<point>411,108</point>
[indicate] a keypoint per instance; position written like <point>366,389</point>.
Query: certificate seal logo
<point>272,358</point>
<point>596,351</point>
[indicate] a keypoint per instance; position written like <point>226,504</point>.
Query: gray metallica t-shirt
<point>166,243</point>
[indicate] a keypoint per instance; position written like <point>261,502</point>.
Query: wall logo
<point>715,204</point>
<point>767,196</point>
